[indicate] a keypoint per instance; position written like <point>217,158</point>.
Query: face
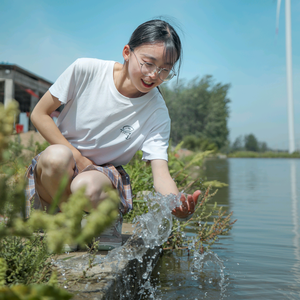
<point>148,53</point>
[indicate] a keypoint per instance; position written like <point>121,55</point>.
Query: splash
<point>151,230</point>
<point>208,268</point>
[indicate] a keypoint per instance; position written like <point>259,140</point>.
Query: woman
<point>111,111</point>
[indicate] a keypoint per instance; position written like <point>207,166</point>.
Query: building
<point>23,86</point>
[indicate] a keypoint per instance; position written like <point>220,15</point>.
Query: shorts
<point>119,178</point>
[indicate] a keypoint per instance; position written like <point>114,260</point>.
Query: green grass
<point>268,154</point>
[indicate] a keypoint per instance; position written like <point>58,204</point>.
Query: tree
<point>199,109</point>
<point>263,147</point>
<point>251,143</point>
<point>238,144</point>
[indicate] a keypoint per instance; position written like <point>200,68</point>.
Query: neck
<point>123,83</point>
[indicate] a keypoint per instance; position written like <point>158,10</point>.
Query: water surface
<point>262,251</point>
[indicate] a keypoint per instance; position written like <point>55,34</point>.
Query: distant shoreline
<point>268,154</point>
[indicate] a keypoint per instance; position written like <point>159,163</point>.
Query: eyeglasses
<point>150,69</point>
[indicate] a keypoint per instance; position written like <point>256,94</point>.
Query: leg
<point>54,163</point>
<point>94,182</point>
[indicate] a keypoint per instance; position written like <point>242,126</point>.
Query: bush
<point>23,255</point>
<point>27,260</point>
<point>195,143</point>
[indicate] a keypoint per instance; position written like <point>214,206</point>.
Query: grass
<point>268,154</point>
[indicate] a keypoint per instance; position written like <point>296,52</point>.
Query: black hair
<point>156,31</point>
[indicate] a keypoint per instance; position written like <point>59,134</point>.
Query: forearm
<point>42,121</point>
<point>163,182</point>
<point>48,129</point>
<point>165,185</point>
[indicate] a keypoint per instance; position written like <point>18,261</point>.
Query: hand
<point>82,162</point>
<point>188,205</point>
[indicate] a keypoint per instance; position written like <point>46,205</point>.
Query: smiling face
<point>147,53</point>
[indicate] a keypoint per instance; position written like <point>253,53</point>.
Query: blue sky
<point>233,40</point>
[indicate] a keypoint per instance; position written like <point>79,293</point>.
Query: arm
<point>42,121</point>
<point>164,184</point>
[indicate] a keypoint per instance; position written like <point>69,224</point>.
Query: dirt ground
<point>25,137</point>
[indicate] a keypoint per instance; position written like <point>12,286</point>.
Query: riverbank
<point>268,154</point>
<point>113,279</point>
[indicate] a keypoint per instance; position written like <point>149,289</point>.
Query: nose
<point>154,74</point>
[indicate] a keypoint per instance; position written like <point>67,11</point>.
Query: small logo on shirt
<point>127,130</point>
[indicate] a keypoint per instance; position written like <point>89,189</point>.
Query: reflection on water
<point>262,252</point>
<point>296,240</point>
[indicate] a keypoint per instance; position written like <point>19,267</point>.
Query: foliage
<point>210,223</point>
<point>65,227</point>
<point>24,255</point>
<point>26,260</point>
<point>7,117</point>
<point>268,154</point>
<point>251,143</point>
<point>38,147</point>
<point>214,183</point>
<point>248,143</point>
<point>34,292</point>
<point>195,143</point>
<point>200,107</point>
<point>142,181</point>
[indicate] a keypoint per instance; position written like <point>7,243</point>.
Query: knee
<point>94,183</point>
<point>92,191</point>
<point>57,159</point>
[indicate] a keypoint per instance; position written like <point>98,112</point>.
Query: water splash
<point>209,268</point>
<point>151,230</point>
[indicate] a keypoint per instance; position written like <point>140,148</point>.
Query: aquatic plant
<point>210,223</point>
<point>140,174</point>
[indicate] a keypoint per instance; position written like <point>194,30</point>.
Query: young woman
<point>111,111</point>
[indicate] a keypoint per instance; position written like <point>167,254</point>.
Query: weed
<point>209,222</point>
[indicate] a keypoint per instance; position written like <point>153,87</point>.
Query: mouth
<point>147,83</point>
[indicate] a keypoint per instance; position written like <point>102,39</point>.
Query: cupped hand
<point>188,205</point>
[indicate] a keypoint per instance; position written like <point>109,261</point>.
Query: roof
<point>9,66</point>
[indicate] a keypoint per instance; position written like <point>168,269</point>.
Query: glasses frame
<point>157,70</point>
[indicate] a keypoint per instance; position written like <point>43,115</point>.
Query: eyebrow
<point>153,58</point>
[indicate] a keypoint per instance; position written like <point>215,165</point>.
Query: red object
<point>32,93</point>
<point>19,128</point>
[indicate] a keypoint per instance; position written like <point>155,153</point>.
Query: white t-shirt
<point>104,125</point>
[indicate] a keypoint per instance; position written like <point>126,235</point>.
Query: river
<point>261,254</point>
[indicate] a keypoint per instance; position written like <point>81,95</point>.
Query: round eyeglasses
<point>150,69</point>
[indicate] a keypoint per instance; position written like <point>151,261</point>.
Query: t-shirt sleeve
<point>65,86</point>
<point>156,143</point>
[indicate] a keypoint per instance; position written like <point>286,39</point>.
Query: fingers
<point>181,210</point>
<point>196,196</point>
<point>188,205</point>
<point>191,204</point>
<point>184,206</point>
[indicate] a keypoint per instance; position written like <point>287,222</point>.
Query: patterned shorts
<point>119,178</point>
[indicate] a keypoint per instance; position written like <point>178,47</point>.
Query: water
<point>261,254</point>
<point>151,230</point>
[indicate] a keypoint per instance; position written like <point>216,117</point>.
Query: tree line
<point>248,142</point>
<point>199,111</point>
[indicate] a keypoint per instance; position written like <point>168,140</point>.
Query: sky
<point>232,40</point>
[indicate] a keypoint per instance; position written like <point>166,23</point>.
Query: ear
<point>126,52</point>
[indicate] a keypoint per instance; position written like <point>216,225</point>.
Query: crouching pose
<point>111,110</point>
